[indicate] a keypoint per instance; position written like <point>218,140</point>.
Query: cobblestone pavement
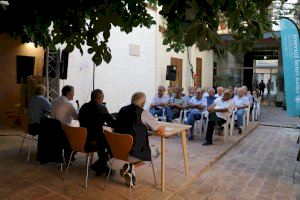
<point>21,180</point>
<point>262,166</point>
<point>277,116</point>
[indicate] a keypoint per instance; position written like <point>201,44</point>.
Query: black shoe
<point>206,143</point>
<point>99,172</point>
<point>240,130</point>
<point>125,169</point>
<point>191,137</point>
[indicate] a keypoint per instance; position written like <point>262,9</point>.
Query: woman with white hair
<point>136,121</point>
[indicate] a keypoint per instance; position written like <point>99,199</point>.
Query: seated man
<point>220,92</point>
<point>197,104</point>
<point>62,109</point>
<point>159,102</point>
<point>134,120</point>
<point>211,96</point>
<point>38,108</point>
<point>170,91</point>
<point>175,105</point>
<point>187,98</point>
<point>219,112</point>
<point>241,102</point>
<point>92,116</point>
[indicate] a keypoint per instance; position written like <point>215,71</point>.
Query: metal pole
<point>47,72</point>
<point>94,66</point>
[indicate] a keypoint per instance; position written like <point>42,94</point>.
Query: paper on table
<point>169,129</point>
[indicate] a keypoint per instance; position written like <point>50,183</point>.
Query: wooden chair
<point>120,145</point>
<point>77,137</point>
<point>24,125</point>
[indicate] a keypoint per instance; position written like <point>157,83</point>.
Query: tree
<point>79,22</point>
<point>196,22</point>
<point>74,22</point>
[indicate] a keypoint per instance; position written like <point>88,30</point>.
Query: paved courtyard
<point>257,165</point>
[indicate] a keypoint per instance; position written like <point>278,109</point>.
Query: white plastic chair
<point>247,116</point>
<point>200,126</point>
<point>180,119</point>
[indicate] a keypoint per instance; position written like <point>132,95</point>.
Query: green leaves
<point>198,22</point>
<point>74,22</point>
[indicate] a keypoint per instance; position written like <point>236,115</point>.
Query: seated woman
<point>134,120</point>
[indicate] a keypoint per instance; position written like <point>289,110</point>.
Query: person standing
<point>261,87</point>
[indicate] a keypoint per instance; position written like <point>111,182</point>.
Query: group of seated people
<point>219,106</point>
<point>135,120</point>
<point>131,119</point>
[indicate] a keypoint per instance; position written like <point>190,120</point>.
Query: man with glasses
<point>159,102</point>
<point>219,112</point>
<point>175,105</point>
<point>198,105</point>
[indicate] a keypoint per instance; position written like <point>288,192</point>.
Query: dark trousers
<point>213,121</point>
<point>34,129</point>
<point>104,153</point>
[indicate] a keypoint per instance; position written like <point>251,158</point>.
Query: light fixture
<point>265,57</point>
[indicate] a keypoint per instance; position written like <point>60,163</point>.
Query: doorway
<point>273,93</point>
<point>198,80</point>
<point>178,63</point>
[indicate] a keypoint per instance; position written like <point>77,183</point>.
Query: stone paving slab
<point>262,166</point>
<point>276,116</point>
<point>21,180</point>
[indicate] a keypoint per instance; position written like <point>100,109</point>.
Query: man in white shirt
<point>220,92</point>
<point>159,102</point>
<point>241,102</point>
<point>198,104</point>
<point>219,112</point>
<point>62,109</point>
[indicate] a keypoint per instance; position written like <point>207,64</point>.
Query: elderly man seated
<point>92,116</point>
<point>159,102</point>
<point>197,104</point>
<point>220,92</point>
<point>38,108</point>
<point>191,94</point>
<point>134,120</point>
<point>211,96</point>
<point>241,102</point>
<point>219,112</point>
<point>175,105</point>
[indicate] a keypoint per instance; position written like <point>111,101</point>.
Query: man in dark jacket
<point>134,120</point>
<point>92,116</point>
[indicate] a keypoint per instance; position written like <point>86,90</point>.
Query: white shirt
<point>240,101</point>
<point>202,101</point>
<point>149,121</point>
<point>220,104</point>
<point>63,110</point>
<point>205,94</point>
<point>159,100</point>
<point>219,96</point>
<point>250,98</point>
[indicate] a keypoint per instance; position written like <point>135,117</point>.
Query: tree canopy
<point>79,22</point>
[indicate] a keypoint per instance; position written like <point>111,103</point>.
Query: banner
<point>291,63</point>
